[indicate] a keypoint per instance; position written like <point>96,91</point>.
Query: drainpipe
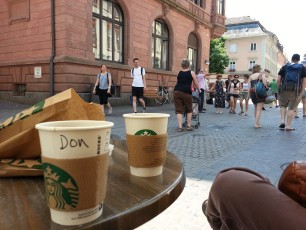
<point>53,47</point>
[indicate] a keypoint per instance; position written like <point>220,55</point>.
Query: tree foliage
<point>218,59</point>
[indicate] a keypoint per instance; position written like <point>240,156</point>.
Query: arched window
<point>107,23</point>
<point>160,45</point>
<point>193,51</point>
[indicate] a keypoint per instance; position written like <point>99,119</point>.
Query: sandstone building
<point>49,46</point>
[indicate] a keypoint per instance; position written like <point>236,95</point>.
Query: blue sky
<point>280,17</point>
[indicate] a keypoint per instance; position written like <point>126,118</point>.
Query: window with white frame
<point>233,48</point>
<point>193,52</point>
<point>220,7</point>
<point>107,31</point>
<point>232,65</point>
<point>253,47</point>
<point>160,45</point>
<point>252,63</point>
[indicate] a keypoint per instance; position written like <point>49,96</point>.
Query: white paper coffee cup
<point>74,158</point>
<point>146,124</point>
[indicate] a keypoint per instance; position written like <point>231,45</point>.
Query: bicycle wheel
<point>161,99</point>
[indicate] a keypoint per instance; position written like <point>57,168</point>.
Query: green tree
<point>218,59</point>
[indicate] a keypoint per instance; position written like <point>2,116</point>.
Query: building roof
<point>240,20</point>
<point>246,22</point>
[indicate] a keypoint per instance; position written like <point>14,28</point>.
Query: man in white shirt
<point>139,85</point>
<point>206,88</point>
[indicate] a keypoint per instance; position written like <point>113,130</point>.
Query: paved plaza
<point>222,141</point>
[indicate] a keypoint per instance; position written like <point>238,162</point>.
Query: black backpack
<point>141,70</point>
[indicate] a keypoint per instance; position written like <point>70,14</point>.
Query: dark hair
<point>218,75</point>
<point>256,68</point>
<point>236,76</point>
<point>135,59</point>
<point>247,76</point>
<point>295,57</point>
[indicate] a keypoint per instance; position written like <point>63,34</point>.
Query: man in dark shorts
<point>139,85</point>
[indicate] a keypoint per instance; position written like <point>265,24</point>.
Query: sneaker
<point>263,108</point>
<point>282,126</point>
<point>144,110</point>
<point>245,114</point>
<point>110,110</point>
<point>296,116</point>
<point>241,113</point>
<point>189,128</point>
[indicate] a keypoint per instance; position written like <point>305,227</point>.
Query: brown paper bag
<point>18,137</point>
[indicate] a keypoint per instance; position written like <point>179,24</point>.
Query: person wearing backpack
<point>257,91</point>
<point>291,82</point>
<point>138,86</point>
<point>103,88</point>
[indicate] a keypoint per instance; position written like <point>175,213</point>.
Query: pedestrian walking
<point>203,87</point>
<point>257,101</point>
<point>219,88</point>
<point>138,86</point>
<point>274,88</point>
<point>244,95</point>
<point>304,103</point>
<point>183,95</point>
<point>104,82</point>
<point>233,90</point>
<point>206,89</point>
<point>291,82</point>
<point>227,96</point>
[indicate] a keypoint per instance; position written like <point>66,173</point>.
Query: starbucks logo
<point>145,132</point>
<point>61,189</point>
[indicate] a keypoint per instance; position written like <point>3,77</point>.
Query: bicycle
<point>166,95</point>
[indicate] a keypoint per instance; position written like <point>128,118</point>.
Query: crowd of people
<point>234,89</point>
<point>229,91</point>
<point>243,199</point>
<point>228,206</point>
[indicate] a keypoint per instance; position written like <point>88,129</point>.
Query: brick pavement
<point>222,140</point>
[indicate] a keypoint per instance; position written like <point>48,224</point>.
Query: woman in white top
<point>244,95</point>
<point>258,102</point>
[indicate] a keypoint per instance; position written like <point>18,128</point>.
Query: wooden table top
<point>130,201</point>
